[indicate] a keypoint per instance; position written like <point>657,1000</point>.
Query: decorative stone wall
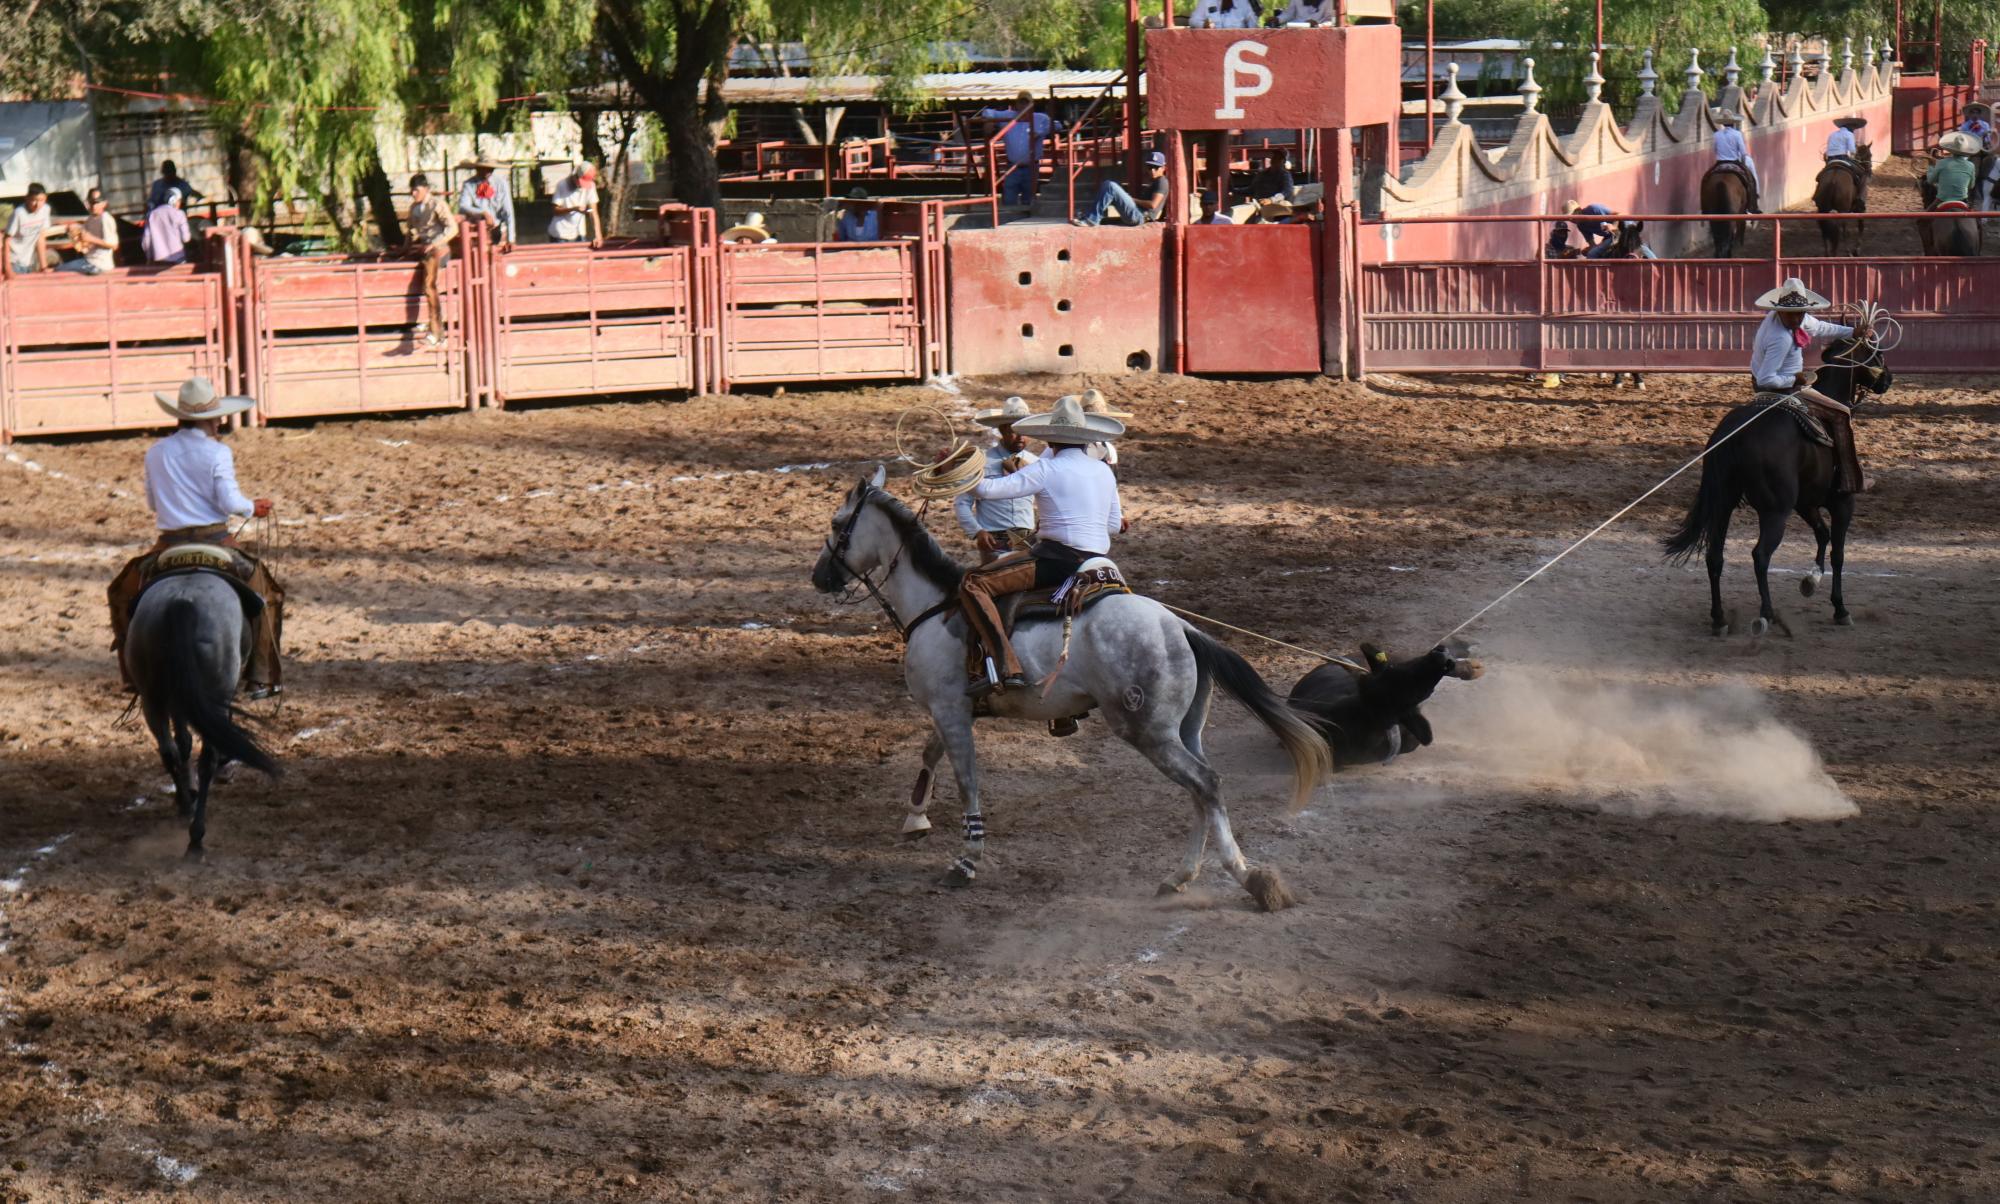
<point>1652,164</point>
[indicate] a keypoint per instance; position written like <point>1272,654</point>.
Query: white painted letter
<point>1237,65</point>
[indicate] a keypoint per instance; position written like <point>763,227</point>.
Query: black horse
<point>1780,472</point>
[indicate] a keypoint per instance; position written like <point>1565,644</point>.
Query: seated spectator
<point>749,232</point>
<point>28,233</point>
<point>859,220</point>
<point>1211,215</point>
<point>170,179</point>
<point>575,216</point>
<point>1115,204</point>
<point>1272,181</point>
<point>1593,232</point>
<point>432,227</point>
<point>165,238</point>
<point>487,198</point>
<point>1312,211</point>
<point>1225,14</point>
<point>96,237</point>
<point>1305,12</point>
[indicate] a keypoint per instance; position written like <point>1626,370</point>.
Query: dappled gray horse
<point>185,651</point>
<point>1145,670</point>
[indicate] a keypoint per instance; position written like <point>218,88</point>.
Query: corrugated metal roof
<point>956,85</point>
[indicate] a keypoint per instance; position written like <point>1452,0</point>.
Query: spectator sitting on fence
<point>576,208</point>
<point>1594,233</point>
<point>432,227</point>
<point>28,233</point>
<point>749,232</point>
<point>1225,14</point>
<point>859,220</point>
<point>96,237</point>
<point>485,197</point>
<point>1305,12</point>
<point>170,180</point>
<point>1211,215</point>
<point>1114,203</point>
<point>1312,211</point>
<point>1730,147</point>
<point>1023,144</point>
<point>166,235</point>
<point>1272,181</point>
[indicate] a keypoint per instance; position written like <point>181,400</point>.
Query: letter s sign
<point>1242,78</point>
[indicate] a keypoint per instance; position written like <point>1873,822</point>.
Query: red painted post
<point>1430,76</point>
<point>1133,128</point>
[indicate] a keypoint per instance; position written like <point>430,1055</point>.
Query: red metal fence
<point>318,335</point>
<point>1657,315</point>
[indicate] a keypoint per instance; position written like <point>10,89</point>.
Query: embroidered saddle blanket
<point>228,563</point>
<point>1809,424</point>
<point>1094,580</point>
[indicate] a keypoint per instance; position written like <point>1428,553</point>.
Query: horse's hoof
<point>1843,619</point>
<point>195,854</point>
<point>955,878</point>
<point>1809,584</point>
<point>1170,888</point>
<point>916,827</point>
<point>914,834</point>
<point>1269,890</point>
<point>1759,625</point>
<point>1722,629</point>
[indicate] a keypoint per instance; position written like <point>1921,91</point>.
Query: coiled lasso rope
<point>959,469</point>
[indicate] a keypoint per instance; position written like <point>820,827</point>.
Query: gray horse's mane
<point>925,553</point>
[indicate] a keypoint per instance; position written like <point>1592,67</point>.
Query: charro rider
<point>1840,144</point>
<point>1000,525</point>
<point>1777,363</point>
<point>1731,148</point>
<point>191,486</point>
<point>1076,511</point>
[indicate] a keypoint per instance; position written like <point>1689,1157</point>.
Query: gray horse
<point>185,651</point>
<point>1146,671</point>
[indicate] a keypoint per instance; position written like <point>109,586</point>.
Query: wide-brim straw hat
<point>1727,117</point>
<point>752,223</point>
<point>1958,142</point>
<point>1011,411</point>
<point>1067,423</point>
<point>1850,123</point>
<point>485,161</point>
<point>1094,403</point>
<point>198,401</point>
<point>1793,297</point>
<point>1978,106</point>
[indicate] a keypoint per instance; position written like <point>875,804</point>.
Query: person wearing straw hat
<point>1950,180</point>
<point>1732,149</point>
<point>750,231</point>
<point>1093,403</point>
<point>574,217</point>
<point>485,197</point>
<point>191,487</point>
<point>1978,122</point>
<point>1000,525</point>
<point>1777,365</point>
<point>1076,514</point>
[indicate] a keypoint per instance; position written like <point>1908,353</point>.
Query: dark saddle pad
<point>227,563</point>
<point>1079,593</point>
<point>1850,167</point>
<point>1732,167</point>
<point>1809,424</point>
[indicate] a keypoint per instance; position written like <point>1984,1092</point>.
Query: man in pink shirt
<point>166,236</point>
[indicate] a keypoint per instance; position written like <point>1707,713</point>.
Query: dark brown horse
<point>1774,467</point>
<point>1961,235</point>
<point>1724,191</point>
<point>1843,189</point>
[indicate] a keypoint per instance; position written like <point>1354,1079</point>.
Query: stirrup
<point>259,693</point>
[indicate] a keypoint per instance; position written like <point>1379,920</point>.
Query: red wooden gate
<point>1252,298</point>
<point>573,320</point>
<point>820,311</point>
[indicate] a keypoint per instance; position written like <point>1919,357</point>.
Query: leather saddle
<point>227,563</point>
<point>1809,424</point>
<point>1094,580</point>
<point>1732,167</point>
<point>1850,166</point>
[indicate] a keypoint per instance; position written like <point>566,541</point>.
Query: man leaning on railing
<point>1023,142</point>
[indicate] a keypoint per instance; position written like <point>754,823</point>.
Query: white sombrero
<point>1067,423</point>
<point>752,223</point>
<point>1094,403</point>
<point>199,401</point>
<point>1959,142</point>
<point>1793,297</point>
<point>1011,411</point>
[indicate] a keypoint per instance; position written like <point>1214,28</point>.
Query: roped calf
<point>1368,719</point>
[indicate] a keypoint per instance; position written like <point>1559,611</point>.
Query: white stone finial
<point>1796,63</point>
<point>1846,55</point>
<point>1888,54</point>
<point>1647,76</point>
<point>1454,100</point>
<point>1769,66</point>
<point>1867,50</point>
<point>1694,71</point>
<point>1593,84</point>
<point>1731,70</point>
<point>1531,92</point>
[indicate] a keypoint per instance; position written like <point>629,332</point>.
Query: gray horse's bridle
<point>836,547</point>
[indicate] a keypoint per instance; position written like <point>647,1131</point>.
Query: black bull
<point>1371,718</point>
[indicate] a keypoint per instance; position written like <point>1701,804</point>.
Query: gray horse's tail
<point>1312,760</point>
<point>176,677</point>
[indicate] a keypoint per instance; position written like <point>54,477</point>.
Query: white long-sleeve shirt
<point>1222,14</point>
<point>1776,358</point>
<point>1840,142</point>
<point>1076,498</point>
<point>1307,12</point>
<point>191,481</point>
<point>995,514</point>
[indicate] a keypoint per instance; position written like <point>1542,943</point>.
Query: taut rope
<point>1342,661</point>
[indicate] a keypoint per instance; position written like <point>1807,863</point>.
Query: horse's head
<point>1852,365</point>
<point>848,551</point>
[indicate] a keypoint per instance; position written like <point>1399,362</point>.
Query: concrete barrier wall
<point>1653,164</point>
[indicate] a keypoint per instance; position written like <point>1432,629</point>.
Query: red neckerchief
<point>1800,337</point>
<point>485,190</point>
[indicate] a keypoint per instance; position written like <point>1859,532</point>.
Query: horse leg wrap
<point>975,828</point>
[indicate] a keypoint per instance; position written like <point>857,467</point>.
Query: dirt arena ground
<point>584,881</point>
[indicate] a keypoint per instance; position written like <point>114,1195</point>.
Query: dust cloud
<point>1632,749</point>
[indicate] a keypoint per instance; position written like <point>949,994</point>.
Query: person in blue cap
<point>1115,204</point>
